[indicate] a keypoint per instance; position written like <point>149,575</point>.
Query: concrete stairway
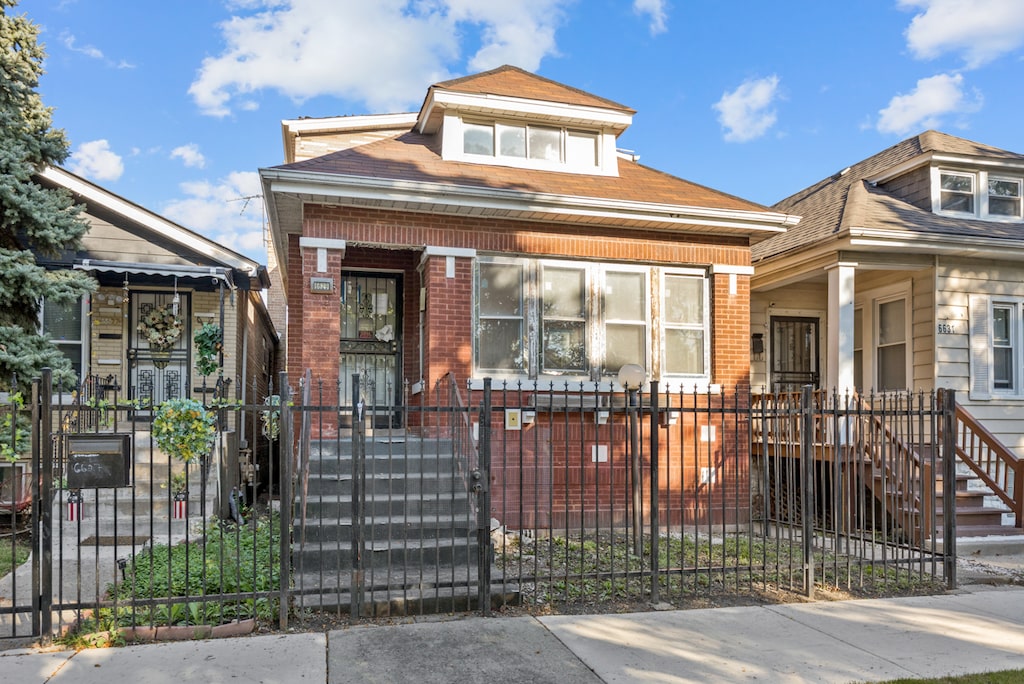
<point>979,513</point>
<point>420,550</point>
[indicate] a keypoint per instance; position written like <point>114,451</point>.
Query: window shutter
<point>980,347</point>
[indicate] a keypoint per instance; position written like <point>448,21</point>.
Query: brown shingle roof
<point>414,157</point>
<point>845,200</point>
<point>512,81</point>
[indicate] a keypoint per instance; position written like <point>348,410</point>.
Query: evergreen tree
<point>35,222</point>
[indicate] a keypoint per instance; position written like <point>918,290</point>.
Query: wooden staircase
<point>899,474</point>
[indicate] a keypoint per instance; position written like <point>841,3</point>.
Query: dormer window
<point>535,146</point>
<point>1004,197</point>
<point>981,194</point>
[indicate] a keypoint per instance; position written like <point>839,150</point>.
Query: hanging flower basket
<point>209,341</point>
<point>184,429</point>
<point>161,328</point>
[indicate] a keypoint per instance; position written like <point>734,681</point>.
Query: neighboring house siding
<point>913,187</point>
<point>923,330</point>
<point>803,299</point>
<point>106,242</point>
<point>957,283</point>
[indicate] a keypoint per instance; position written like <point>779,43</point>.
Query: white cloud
<point>96,161</point>
<point>922,108</point>
<point>979,30</point>
<point>91,51</point>
<point>746,113</point>
<point>69,41</point>
<point>381,53</point>
<point>658,11</point>
<point>228,211</point>
<point>190,155</point>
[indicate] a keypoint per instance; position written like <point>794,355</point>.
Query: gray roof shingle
<point>847,199</point>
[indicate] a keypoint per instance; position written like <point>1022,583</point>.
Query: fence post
<point>285,450</point>
<point>358,475</point>
<point>807,485</point>
<point>482,487</point>
<point>949,487</point>
<point>655,517</point>
<point>42,518</point>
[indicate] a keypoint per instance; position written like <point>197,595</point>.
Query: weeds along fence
<point>570,498</point>
<point>464,496</point>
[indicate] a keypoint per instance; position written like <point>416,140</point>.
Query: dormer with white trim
<point>536,130</point>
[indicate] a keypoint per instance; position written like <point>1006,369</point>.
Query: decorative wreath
<point>161,328</point>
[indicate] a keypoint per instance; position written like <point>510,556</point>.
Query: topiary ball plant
<point>184,429</point>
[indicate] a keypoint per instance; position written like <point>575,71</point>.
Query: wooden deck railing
<point>993,462</point>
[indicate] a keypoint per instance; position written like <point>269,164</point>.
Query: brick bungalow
<point>500,233</point>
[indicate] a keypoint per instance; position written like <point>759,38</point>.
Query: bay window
<point>683,323</point>
<point>539,318</point>
<point>625,320</point>
<point>501,324</point>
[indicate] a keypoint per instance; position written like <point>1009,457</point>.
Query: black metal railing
<point>551,497</point>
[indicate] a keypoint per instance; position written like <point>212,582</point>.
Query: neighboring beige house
<point>906,271</point>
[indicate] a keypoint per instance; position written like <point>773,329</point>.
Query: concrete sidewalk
<point>974,630</point>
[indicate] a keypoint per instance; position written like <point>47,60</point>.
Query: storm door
<point>794,353</point>
<point>370,342</point>
<point>158,355</point>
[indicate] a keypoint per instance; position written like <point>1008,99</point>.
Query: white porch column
<point>839,369</point>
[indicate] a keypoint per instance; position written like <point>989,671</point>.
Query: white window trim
<point>981,196</point>
<point>869,301</point>
<point>596,276</point>
<point>452,147</point>
<point>980,340</point>
<point>83,341</point>
<point>687,379</point>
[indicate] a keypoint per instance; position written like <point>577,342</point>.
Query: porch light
<point>632,376</point>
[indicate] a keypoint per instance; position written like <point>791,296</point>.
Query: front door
<point>794,353</point>
<point>371,318</point>
<point>155,374</point>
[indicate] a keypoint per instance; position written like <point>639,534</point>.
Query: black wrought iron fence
<point>469,497</point>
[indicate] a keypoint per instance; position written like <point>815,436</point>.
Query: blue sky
<point>175,105</point>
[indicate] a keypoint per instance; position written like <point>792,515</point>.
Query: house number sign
<point>950,328</point>
<point>100,460</point>
<point>321,285</point>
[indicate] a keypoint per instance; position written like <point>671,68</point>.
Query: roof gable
<point>852,198</point>
<point>511,81</point>
<point>124,232</point>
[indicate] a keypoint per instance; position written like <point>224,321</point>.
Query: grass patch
<point>184,584</point>
<point>1001,677</point>
<point>602,573</point>
<point>14,550</point>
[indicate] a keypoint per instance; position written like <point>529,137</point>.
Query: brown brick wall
<point>390,240</point>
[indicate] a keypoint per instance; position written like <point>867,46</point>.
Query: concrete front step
<point>386,554</point>
<point>335,506</point>
<point>386,528</point>
<point>440,590</point>
<point>396,484</point>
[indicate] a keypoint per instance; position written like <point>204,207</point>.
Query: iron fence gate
<point>486,497</point>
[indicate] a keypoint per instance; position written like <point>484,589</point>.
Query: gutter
<point>431,193</point>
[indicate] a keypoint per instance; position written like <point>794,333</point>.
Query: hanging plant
<point>209,341</point>
<point>161,328</point>
<point>184,429</point>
